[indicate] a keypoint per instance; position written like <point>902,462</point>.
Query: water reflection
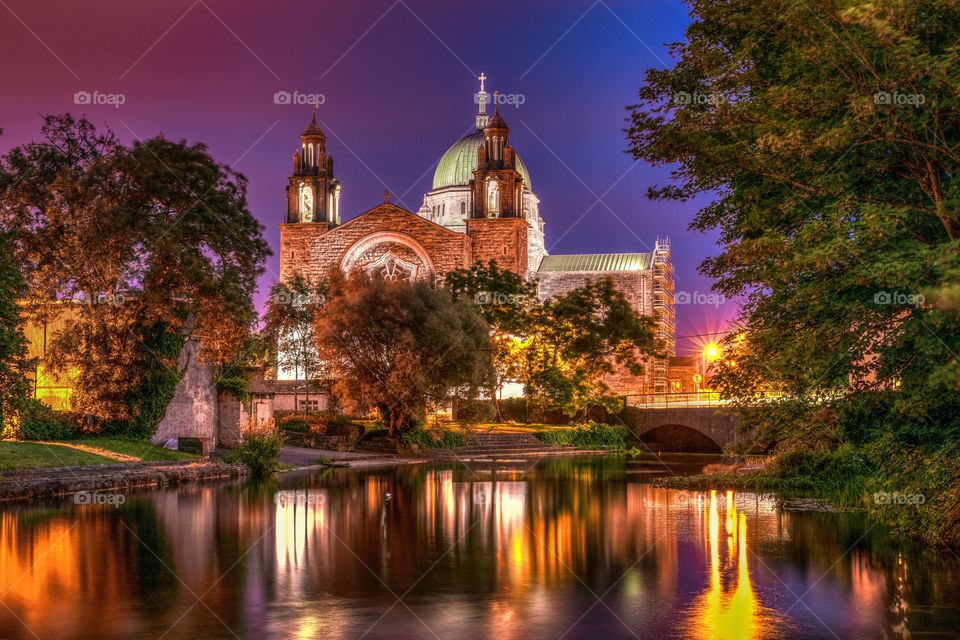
<point>573,548</point>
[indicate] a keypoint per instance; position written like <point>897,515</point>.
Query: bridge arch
<point>690,428</point>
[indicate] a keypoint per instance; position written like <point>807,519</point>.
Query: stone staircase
<point>485,444</point>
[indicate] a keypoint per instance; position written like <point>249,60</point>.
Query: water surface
<point>562,547</point>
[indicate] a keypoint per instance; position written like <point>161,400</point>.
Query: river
<point>549,548</point>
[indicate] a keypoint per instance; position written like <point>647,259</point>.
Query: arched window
<point>463,208</point>
<point>310,154</point>
<point>443,209</point>
<point>493,198</point>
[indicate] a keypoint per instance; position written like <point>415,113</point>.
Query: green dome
<point>458,163</point>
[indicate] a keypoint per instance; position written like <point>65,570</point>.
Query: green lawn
<point>133,448</point>
<point>33,455</point>
<point>84,451</point>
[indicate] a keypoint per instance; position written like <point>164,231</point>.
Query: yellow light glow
<point>711,351</point>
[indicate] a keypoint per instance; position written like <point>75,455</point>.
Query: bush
<point>473,411</point>
<point>589,436</point>
<point>40,422</point>
<point>259,448</point>
<point>439,439</point>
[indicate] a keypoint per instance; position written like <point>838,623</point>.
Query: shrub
<point>437,439</point>
<point>40,422</point>
<point>474,411</point>
<point>259,448</point>
<point>590,435</point>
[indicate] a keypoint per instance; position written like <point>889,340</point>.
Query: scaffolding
<point>664,311</point>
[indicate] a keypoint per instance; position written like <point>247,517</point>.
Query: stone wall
<point>193,410</point>
<point>316,253</point>
<point>501,239</point>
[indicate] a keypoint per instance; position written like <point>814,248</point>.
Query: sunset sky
<point>397,79</point>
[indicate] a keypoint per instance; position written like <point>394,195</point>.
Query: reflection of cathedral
<point>481,208</point>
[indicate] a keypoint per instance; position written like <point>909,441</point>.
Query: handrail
<point>690,399</point>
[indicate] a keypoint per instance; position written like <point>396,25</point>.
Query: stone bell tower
<point>313,194</point>
<point>313,201</point>
<point>496,221</point>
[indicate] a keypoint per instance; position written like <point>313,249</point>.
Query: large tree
<point>579,338</point>
<point>13,345</point>
<point>288,329</point>
<point>505,301</point>
<point>827,134</point>
<point>398,346</point>
<point>156,235</point>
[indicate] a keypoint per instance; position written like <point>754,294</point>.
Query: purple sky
<point>397,79</point>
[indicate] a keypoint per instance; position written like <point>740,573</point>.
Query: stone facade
<point>313,250</point>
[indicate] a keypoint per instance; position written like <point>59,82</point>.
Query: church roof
<point>596,262</point>
<point>458,163</point>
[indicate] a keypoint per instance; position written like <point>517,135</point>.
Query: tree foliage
<point>147,235</point>
<point>505,301</point>
<point>828,135</point>
<point>561,349</point>
<point>288,327</point>
<point>398,346</point>
<point>14,365</point>
<point>577,340</point>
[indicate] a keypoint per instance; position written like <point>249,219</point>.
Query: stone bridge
<point>705,428</point>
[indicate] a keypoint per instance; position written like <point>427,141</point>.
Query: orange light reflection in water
<point>727,609</point>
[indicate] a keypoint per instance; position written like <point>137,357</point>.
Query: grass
<point>137,449</point>
<point>84,451</point>
<point>35,455</point>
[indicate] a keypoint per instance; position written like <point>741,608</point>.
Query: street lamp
<point>710,352</point>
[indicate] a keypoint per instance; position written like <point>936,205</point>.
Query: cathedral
<point>481,208</point>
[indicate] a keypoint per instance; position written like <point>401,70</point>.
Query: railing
<point>681,400</point>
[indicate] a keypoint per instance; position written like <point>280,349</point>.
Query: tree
<point>116,240</point>
<point>398,346</point>
<point>504,299</point>
<point>14,365</point>
<point>828,136</point>
<point>577,339</point>
<point>288,327</point>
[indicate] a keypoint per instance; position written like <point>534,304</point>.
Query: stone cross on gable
<point>386,195</point>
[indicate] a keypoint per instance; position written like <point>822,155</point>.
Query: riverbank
<point>33,484</point>
<point>914,492</point>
